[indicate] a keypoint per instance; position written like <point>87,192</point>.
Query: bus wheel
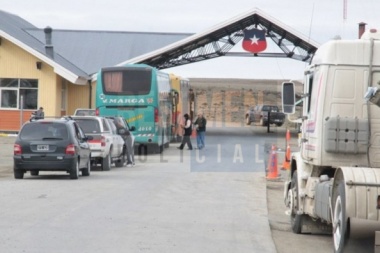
<point>142,147</point>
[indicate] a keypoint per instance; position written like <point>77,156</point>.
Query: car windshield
<point>89,126</point>
<point>271,108</point>
<point>44,131</point>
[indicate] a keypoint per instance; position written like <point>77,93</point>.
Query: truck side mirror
<point>288,98</point>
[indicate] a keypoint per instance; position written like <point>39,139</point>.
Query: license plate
<point>42,147</point>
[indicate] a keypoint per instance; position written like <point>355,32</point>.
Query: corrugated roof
<point>79,54</point>
<point>92,50</point>
<point>16,29</point>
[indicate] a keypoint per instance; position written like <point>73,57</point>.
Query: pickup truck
<point>259,114</point>
<point>107,146</point>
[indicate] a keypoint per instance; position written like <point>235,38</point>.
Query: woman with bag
<point>186,137</point>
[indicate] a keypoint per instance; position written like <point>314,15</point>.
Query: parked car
<point>107,146</point>
<point>85,112</point>
<point>52,145</point>
<point>259,114</point>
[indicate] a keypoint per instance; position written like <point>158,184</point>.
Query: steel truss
<point>219,43</point>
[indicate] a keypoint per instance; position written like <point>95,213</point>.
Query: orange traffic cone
<point>287,135</point>
<point>272,164</point>
<point>286,163</point>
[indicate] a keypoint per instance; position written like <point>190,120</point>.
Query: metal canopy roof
<point>219,40</point>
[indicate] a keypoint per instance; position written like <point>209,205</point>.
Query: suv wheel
<point>19,174</point>
<point>74,171</point>
<point>106,162</point>
<point>87,171</point>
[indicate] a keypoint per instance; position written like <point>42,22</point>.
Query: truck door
<point>308,124</point>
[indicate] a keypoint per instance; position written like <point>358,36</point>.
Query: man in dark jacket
<point>39,114</point>
<point>186,136</point>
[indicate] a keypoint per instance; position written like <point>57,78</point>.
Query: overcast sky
<point>320,20</point>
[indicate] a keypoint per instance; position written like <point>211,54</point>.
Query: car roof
<point>86,117</point>
<point>61,120</point>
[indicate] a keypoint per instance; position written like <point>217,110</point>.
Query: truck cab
<point>334,179</point>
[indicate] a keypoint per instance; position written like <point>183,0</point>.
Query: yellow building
<point>56,69</point>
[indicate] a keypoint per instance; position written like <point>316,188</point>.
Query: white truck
<point>107,146</point>
<point>334,178</point>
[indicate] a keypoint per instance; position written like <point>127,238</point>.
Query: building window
<point>18,93</point>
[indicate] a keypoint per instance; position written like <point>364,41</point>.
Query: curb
<point>7,135</point>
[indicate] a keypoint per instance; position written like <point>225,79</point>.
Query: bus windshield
<point>133,81</point>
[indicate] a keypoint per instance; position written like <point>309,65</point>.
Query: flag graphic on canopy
<point>254,40</point>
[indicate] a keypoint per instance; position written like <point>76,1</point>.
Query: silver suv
<point>107,146</point>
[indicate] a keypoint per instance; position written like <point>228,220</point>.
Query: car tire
<point>18,174</point>
<point>74,171</point>
<point>87,171</point>
<point>106,162</point>
<point>34,172</point>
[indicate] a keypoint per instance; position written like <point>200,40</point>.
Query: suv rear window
<point>89,126</point>
<point>85,112</point>
<point>44,130</point>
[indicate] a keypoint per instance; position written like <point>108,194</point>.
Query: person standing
<point>126,135</point>
<point>187,133</point>
<point>200,126</point>
<point>39,114</point>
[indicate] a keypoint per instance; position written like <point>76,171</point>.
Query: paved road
<point>190,201</point>
<point>217,200</point>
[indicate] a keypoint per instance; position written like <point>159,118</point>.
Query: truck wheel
<point>106,162</point>
<point>340,234</point>
<point>120,163</point>
<point>247,120</point>
<point>296,220</point>
<point>74,171</point>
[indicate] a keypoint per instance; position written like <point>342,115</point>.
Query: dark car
<point>259,114</point>
<point>51,145</point>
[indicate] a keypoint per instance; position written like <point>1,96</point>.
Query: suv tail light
<point>17,150</point>
<point>103,141</point>
<point>70,149</point>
